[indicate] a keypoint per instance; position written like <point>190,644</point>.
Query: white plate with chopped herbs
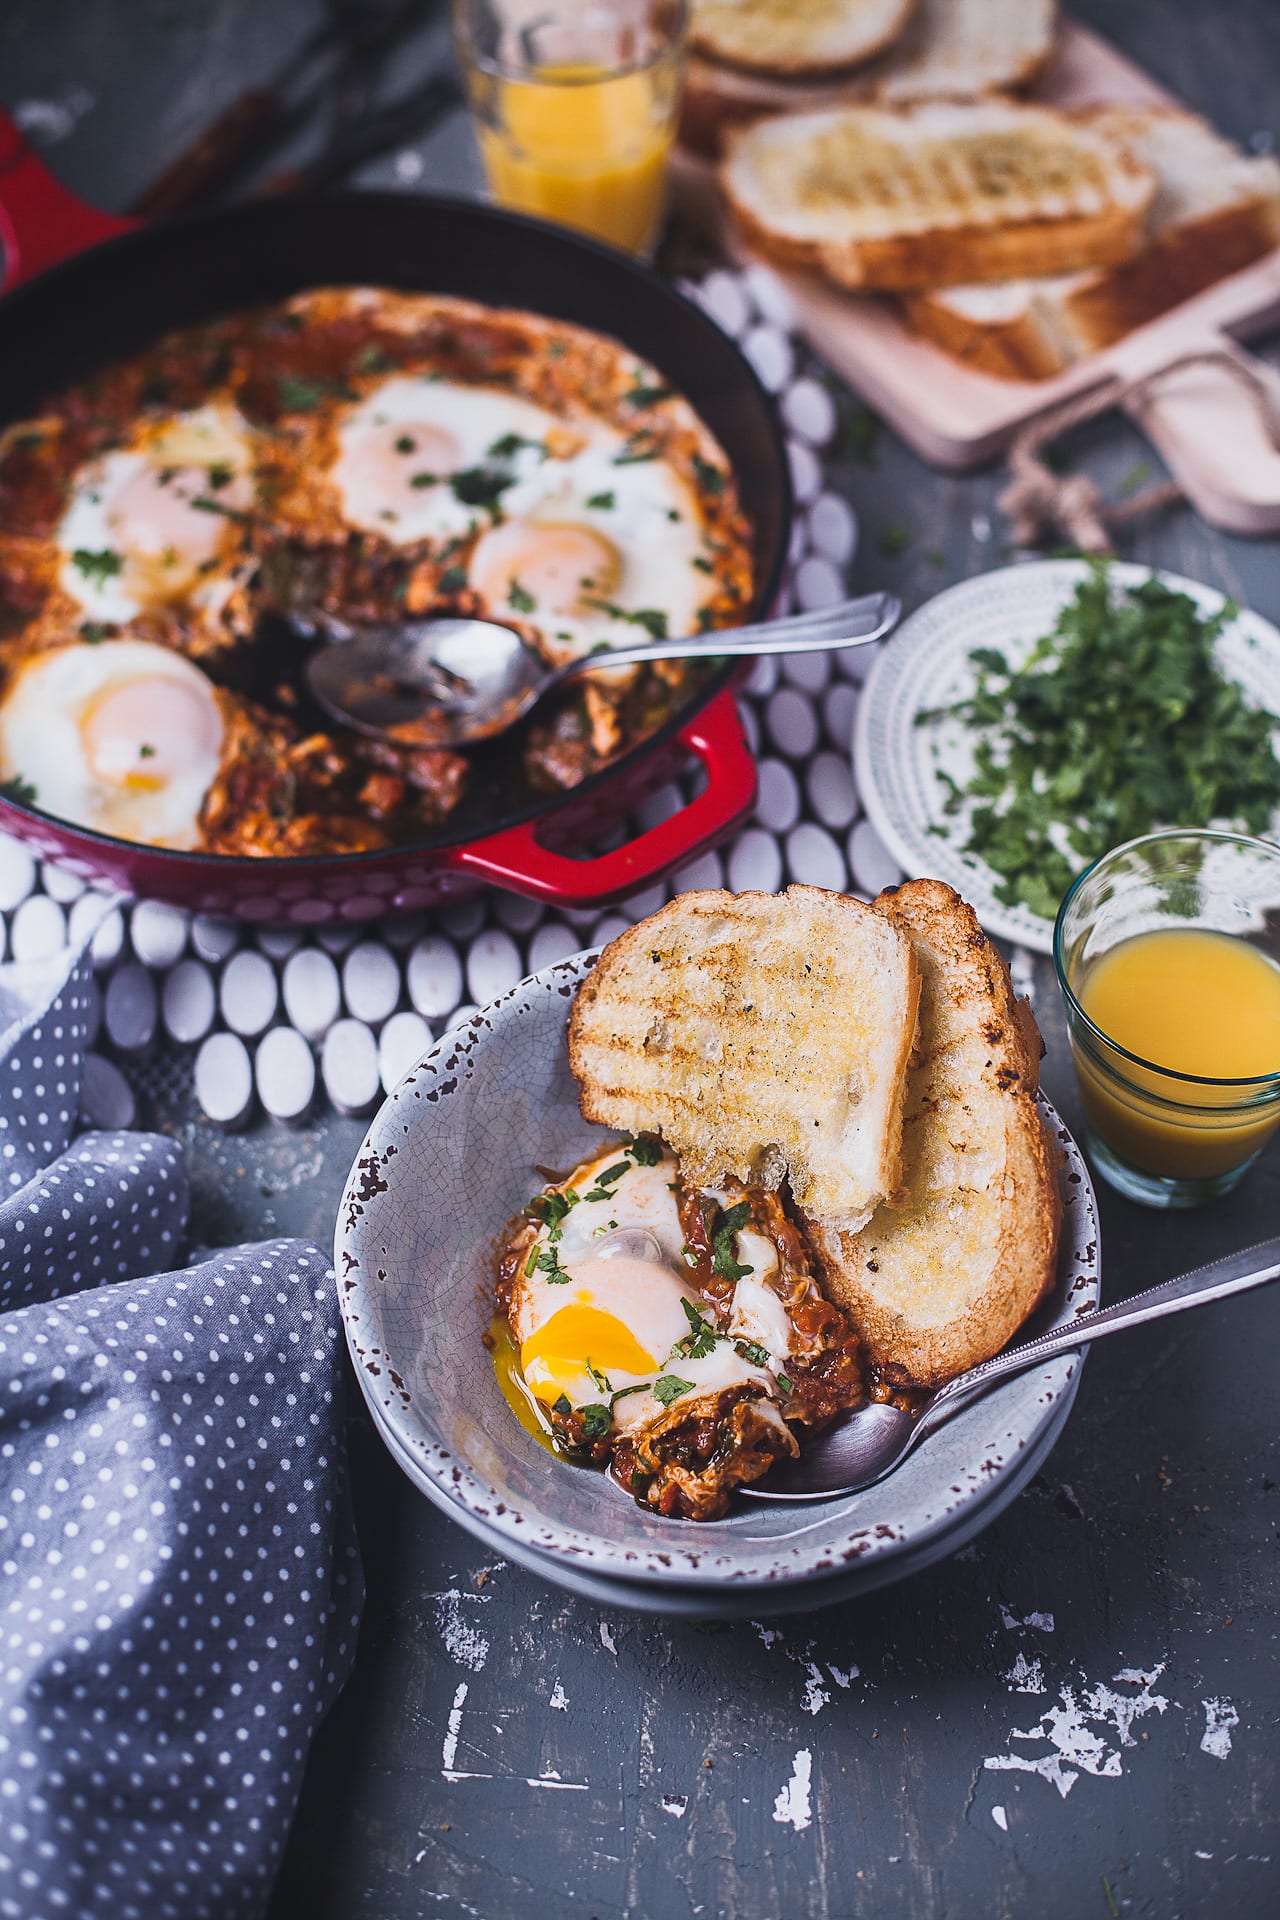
<point>1024,722</point>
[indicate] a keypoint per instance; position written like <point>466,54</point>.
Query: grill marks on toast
<point>761,1036</point>
<point>897,201</point>
<point>814,38</point>
<point>1216,210</point>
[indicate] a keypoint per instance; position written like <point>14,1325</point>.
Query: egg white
<point>43,717</point>
<point>649,517</point>
<point>375,479</point>
<point>576,473</point>
<point>134,536</point>
<point>644,1295</point>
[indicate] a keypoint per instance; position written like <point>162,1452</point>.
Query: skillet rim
<point>108,259</point>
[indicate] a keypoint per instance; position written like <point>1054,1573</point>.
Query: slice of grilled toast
<point>1216,210</point>
<point>777,36</point>
<point>950,49</point>
<point>945,1280</point>
<point>762,1036</point>
<point>896,201</point>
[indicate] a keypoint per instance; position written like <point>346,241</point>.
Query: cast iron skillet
<point>125,291</point>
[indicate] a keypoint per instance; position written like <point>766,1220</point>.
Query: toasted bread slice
<point>950,49</point>
<point>1216,210</point>
<point>762,1035</point>
<point>945,1280</point>
<point>777,36</point>
<point>895,201</point>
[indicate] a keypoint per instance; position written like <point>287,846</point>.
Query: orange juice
<point>581,144</point>
<point>1190,1001</point>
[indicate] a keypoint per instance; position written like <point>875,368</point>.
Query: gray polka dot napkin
<point>179,1584</point>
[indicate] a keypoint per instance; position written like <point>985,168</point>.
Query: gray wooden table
<point>1078,1714</point>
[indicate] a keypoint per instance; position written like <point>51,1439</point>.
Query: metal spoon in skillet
<point>456,681</point>
<point>872,1441</point>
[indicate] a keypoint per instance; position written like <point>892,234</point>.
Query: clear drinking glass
<point>574,104</point>
<point>1163,1126</point>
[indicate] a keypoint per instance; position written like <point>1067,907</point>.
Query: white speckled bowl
<point>450,1158</point>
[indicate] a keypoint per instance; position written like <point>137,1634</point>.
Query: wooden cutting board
<point>1206,423</point>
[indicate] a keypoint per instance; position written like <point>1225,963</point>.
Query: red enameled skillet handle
<point>515,860</point>
<point>40,221</point>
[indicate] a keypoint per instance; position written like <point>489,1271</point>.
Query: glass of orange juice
<point>574,103</point>
<point>1168,956</point>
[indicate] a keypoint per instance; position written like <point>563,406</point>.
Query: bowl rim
<point>680,1564</point>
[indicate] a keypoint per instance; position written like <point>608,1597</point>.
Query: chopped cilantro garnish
<point>510,444</point>
<point>701,1340</point>
<point>895,538</point>
<point>297,395</point>
<point>480,486</point>
<point>723,1261</point>
<point>857,437</point>
<point>641,446</point>
<point>602,1380</point>
<point>610,1174</point>
<point>220,476</point>
<point>551,1208</point>
<point>710,478</point>
<point>372,358</point>
<point>99,566</point>
<point>145,752</point>
<point>783,1382</point>
<point>646,396</point>
<point>19,790</point>
<point>596,1421</point>
<point>1119,720</point>
<point>207,504</point>
<point>702,563</point>
<point>421,480</point>
<point>752,1351</point>
<point>605,501</point>
<point>562,1405</point>
<point>548,1262</point>
<point>652,619</point>
<point>641,1386</point>
<point>92,631</point>
<point>519,598</point>
<point>452,580</point>
<point>406,443</point>
<point>608,1227</point>
<point>669,1386</point>
<point>644,1150</point>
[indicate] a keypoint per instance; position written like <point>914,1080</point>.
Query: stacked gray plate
<point>451,1157</point>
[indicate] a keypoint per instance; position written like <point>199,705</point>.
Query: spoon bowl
<point>871,1441</point>
<point>447,682</point>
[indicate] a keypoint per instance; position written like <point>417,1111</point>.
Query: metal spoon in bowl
<point>451,681</point>
<point>870,1442</point>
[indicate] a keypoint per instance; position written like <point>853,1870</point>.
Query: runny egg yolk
<point>562,568</point>
<point>143,733</point>
<point>579,1335</point>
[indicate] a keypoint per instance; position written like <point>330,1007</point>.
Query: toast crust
<point>947,1279</point>
<point>949,50</point>
<point>754,49</point>
<point>762,1036</point>
<point>948,234</point>
<point>1192,244</point>
<point>1104,307</point>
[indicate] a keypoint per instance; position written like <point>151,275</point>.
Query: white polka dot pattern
<point>181,1586</point>
<point>383,982</point>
